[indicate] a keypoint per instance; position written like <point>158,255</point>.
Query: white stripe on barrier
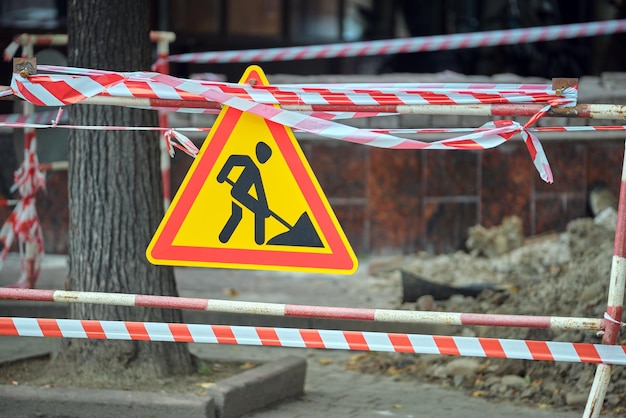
<point>334,339</point>
<point>469,347</point>
<point>202,334</point>
<point>246,335</point>
<point>516,349</point>
<point>292,335</point>
<point>28,327</point>
<point>159,331</point>
<point>115,330</point>
<point>71,329</point>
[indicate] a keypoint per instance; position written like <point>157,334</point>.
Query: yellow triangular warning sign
<point>250,200</point>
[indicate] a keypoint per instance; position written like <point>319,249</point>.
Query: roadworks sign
<point>250,200</point>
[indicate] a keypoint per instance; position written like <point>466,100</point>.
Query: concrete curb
<point>25,401</point>
<point>259,387</point>
<point>230,398</point>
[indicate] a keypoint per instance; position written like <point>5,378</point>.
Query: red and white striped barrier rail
<point>61,39</point>
<point>289,310</point>
<point>336,112</point>
<point>31,39</point>
<point>404,45</point>
<point>315,338</point>
<point>426,95</point>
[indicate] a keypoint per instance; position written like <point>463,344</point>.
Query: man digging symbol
<point>302,233</point>
<point>250,177</point>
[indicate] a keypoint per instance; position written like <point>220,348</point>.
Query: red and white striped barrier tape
<point>23,223</point>
<point>404,131</point>
<point>178,140</point>
<point>315,338</point>
<point>145,85</point>
<point>404,45</point>
<point>307,311</point>
<point>499,133</point>
<point>61,90</point>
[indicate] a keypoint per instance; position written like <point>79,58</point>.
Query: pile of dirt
<point>564,274</point>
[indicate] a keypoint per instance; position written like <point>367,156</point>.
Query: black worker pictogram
<point>302,233</point>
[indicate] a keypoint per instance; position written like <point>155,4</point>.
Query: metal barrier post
<point>613,317</point>
<point>163,40</point>
<point>30,258</point>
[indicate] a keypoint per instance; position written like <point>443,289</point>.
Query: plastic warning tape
<point>495,135</point>
<point>61,90</point>
<point>23,223</point>
<point>404,45</point>
<point>315,338</point>
<point>362,96</point>
<point>175,139</point>
<point>14,121</point>
<point>57,90</point>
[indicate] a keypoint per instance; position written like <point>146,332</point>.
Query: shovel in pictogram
<point>301,234</point>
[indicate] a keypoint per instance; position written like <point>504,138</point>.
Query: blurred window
<point>32,14</point>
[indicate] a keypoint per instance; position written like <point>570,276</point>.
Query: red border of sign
<point>162,251</point>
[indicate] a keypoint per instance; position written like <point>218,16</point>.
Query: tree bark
<point>116,202</point>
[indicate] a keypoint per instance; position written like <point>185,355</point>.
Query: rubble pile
<point>559,274</point>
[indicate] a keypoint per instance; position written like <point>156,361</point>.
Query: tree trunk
<point>116,201</point>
